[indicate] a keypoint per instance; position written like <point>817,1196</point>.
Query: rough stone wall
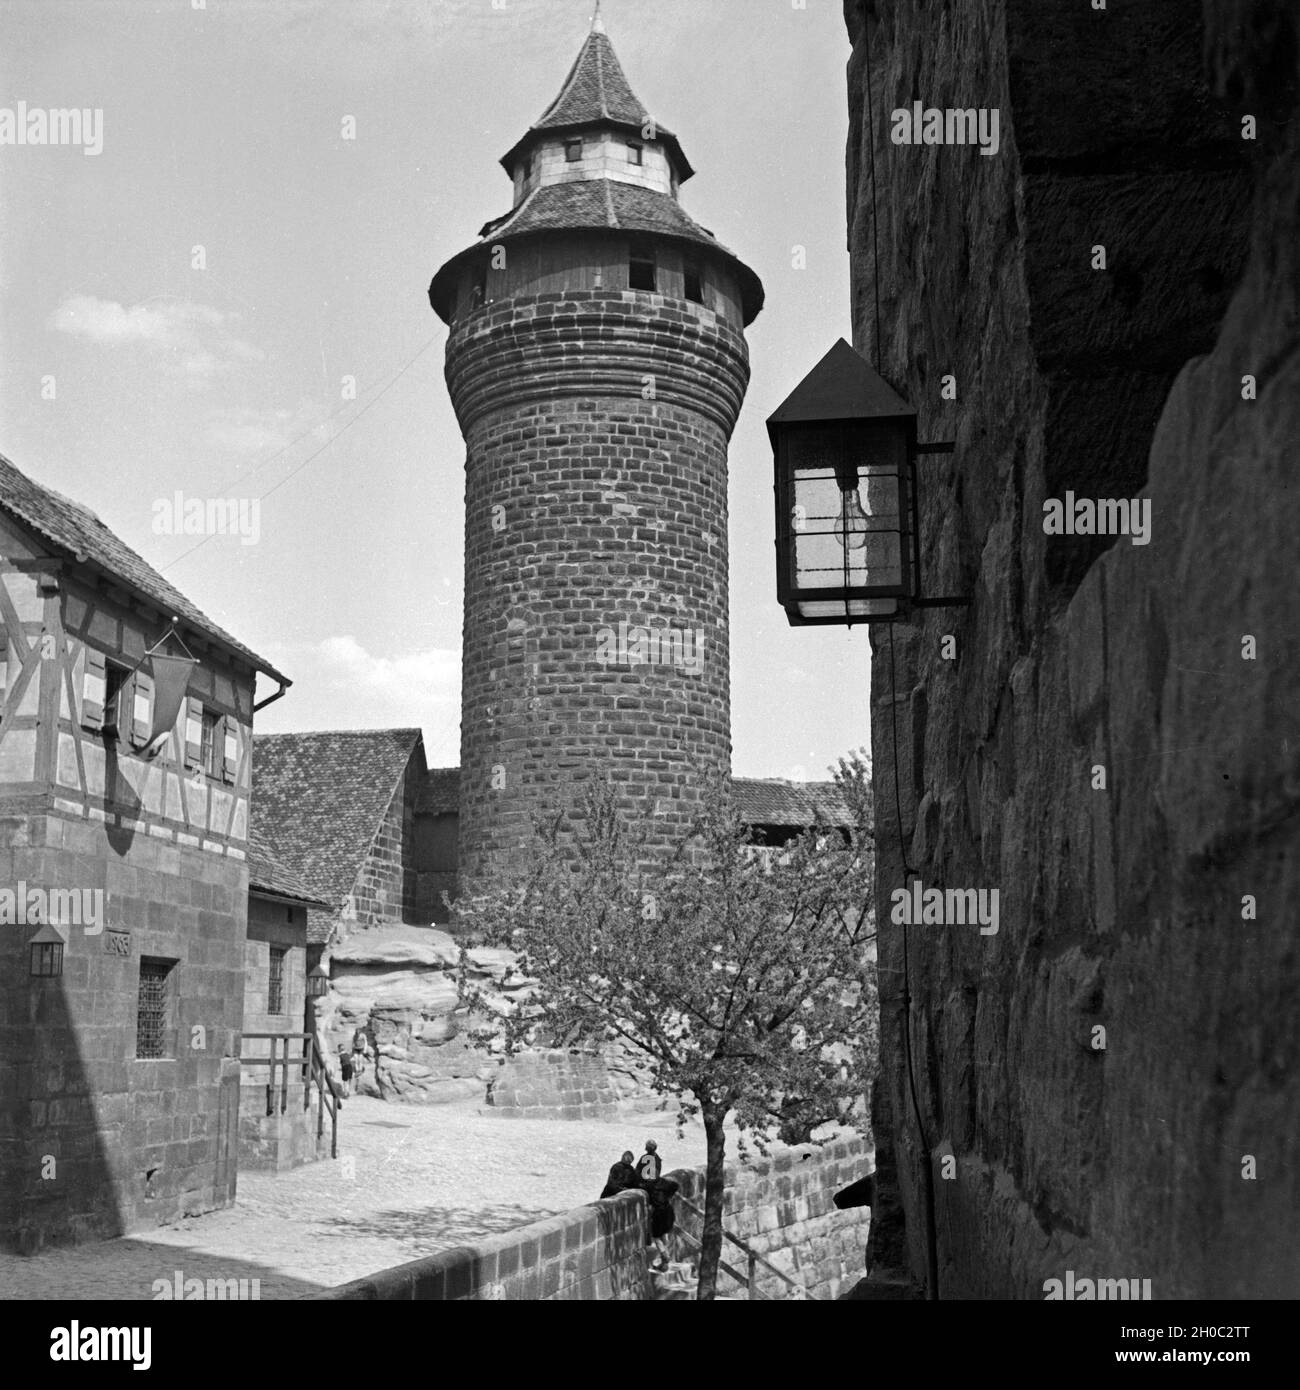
<point>94,1141</point>
<point>598,1252</point>
<point>1120,907</point>
<point>596,495</point>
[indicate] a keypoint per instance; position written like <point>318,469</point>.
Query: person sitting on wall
<point>621,1176</point>
<point>649,1164</point>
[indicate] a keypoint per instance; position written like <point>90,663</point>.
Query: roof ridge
<point>610,214</point>
<point>600,79</point>
<point>341,733</point>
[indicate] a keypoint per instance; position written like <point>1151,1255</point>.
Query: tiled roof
<point>763,802</point>
<point>74,529</point>
<point>266,874</point>
<point>595,89</point>
<point>605,203</point>
<point>441,792</point>
<point>318,799</point>
<point>595,93</point>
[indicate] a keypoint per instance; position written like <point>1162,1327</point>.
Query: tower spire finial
<point>597,23</point>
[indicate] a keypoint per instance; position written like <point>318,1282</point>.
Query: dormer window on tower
<point>694,288</point>
<point>635,153</point>
<point>641,268</point>
<point>573,150</point>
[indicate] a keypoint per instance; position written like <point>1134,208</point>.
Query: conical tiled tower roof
<point>595,90</point>
<point>597,93</point>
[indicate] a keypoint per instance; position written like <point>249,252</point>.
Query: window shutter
<point>141,708</point>
<point>193,733</point>
<point>229,748</point>
<point>94,686</point>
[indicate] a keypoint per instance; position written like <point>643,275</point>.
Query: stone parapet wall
<point>596,1253</point>
<point>783,1208</point>
<point>599,1252</point>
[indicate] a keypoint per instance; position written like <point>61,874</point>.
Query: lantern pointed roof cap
<point>597,22</point>
<point>843,387</point>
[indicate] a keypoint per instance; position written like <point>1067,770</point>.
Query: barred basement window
<point>275,985</point>
<point>152,1012</point>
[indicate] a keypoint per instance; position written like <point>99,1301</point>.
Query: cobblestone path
<point>426,1178</point>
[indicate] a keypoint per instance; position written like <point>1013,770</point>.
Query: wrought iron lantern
<point>47,953</point>
<point>845,451</point>
<point>318,982</point>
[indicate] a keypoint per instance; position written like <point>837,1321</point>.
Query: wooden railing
<point>753,1259</point>
<point>310,1068</point>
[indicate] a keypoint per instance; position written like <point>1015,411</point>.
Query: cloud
<point>193,340</point>
<point>240,430</point>
<point>338,684</point>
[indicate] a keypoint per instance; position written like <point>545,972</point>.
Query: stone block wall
<point>287,1137</point>
<point>385,887</point>
<point>783,1208</point>
<point>594,1253</point>
<point>596,426</point>
<point>94,1141</point>
<point>557,1084</point>
<point>1156,907</point>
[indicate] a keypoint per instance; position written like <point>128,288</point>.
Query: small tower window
<point>694,283</point>
<point>641,269</point>
<point>635,153</point>
<point>573,150</point>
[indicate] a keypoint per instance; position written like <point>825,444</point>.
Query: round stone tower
<point>597,364</point>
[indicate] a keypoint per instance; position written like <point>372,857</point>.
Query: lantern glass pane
<point>850,538</point>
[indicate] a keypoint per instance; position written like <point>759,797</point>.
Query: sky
<point>229,300</point>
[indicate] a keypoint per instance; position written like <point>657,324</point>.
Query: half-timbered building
<point>125,751</point>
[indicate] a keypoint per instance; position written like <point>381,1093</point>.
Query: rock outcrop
<point>430,1040</point>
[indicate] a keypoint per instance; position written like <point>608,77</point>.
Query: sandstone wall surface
<point>1121,908</point>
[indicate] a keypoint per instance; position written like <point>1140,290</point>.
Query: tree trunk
<point>711,1236</point>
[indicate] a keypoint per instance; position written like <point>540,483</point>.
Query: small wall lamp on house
<point>46,953</point>
<point>318,983</point>
<point>844,447</point>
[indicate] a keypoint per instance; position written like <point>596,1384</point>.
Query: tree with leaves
<point>738,976</point>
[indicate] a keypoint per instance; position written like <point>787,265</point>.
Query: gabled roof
<point>74,529</point>
<point>793,804</point>
<point>269,878</point>
<point>597,93</point>
<point>319,798</point>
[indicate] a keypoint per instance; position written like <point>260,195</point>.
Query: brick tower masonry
<point>597,364</point>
